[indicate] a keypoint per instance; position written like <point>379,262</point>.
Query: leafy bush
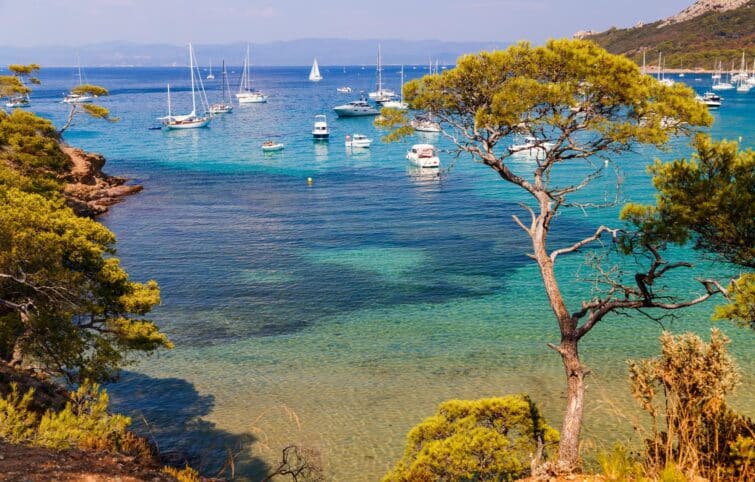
<point>488,439</point>
<point>17,421</point>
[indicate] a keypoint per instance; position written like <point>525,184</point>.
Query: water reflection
<point>321,150</point>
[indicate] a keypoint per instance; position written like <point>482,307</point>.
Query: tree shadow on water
<point>169,411</point>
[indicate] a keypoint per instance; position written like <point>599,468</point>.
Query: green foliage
<point>11,86</point>
<point>684,391</point>
<point>488,439</point>
<point>83,423</point>
<point>89,89</point>
<point>397,121</point>
<point>741,306</point>
<point>697,43</point>
<point>17,422</point>
<point>69,306</point>
<point>30,145</point>
<point>619,465</point>
<point>92,110</point>
<point>187,474</point>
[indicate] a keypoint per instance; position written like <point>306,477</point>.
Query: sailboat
<point>210,76</point>
<point>662,74</point>
<point>381,94</point>
<point>246,94</point>
<point>191,120</point>
<point>743,86</point>
<point>398,104</point>
<point>72,98</point>
<point>314,74</point>
<point>224,106</point>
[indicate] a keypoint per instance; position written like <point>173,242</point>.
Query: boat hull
<point>355,113</point>
<point>188,125</point>
<point>275,148</point>
<point>251,99</point>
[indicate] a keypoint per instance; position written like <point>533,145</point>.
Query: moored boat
<point>358,141</point>
<point>191,120</point>
<point>320,131</point>
<point>423,155</point>
<point>272,146</point>
<point>355,108</point>
<point>314,73</point>
<point>247,94</point>
<point>424,124</point>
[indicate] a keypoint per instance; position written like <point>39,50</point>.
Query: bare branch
<point>576,246</point>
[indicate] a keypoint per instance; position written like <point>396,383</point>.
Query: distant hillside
<point>293,52</point>
<point>706,32</point>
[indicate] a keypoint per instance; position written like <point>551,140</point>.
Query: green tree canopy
<point>65,304</point>
<point>581,107</point>
<point>93,110</point>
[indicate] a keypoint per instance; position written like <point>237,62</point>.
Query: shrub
<point>17,421</point>
<point>488,439</point>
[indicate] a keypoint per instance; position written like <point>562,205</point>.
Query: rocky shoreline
<point>89,191</point>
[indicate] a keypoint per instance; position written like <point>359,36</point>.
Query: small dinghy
<point>271,146</point>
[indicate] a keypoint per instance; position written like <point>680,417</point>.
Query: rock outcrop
<point>701,7</point>
<point>89,191</point>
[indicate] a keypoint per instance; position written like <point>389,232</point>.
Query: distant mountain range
<point>704,33</point>
<point>293,52</point>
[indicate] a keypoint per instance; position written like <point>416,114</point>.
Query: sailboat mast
<point>78,63</point>
<point>169,112</point>
<point>402,83</point>
<point>246,73</point>
<point>191,70</point>
<point>379,72</point>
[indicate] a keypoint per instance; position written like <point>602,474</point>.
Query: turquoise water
<point>338,315</point>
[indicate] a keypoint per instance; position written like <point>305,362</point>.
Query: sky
<point>27,23</point>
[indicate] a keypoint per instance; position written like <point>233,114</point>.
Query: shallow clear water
<point>338,315</point>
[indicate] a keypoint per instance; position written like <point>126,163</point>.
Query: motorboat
<point>18,101</point>
<point>272,146</point>
<point>424,124</point>
<point>320,130</point>
<point>344,90</point>
<point>355,108</point>
<point>191,120</point>
<point>224,106</point>
<point>358,140</point>
<point>423,155</point>
<point>710,99</point>
<point>247,94</point>
<point>531,147</point>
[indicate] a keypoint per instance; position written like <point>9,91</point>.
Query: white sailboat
<point>381,94</point>
<point>314,74</point>
<point>210,76</point>
<point>224,106</point>
<point>72,98</point>
<point>398,104</point>
<point>191,120</point>
<point>743,86</point>
<point>247,94</point>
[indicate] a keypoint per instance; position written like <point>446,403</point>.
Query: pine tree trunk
<point>568,448</point>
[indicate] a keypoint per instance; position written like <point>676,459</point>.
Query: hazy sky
<point>80,22</point>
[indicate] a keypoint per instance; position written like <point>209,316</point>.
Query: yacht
<point>74,98</point>
<point>344,90</point>
<point>424,124</point>
<point>224,106</point>
<point>710,99</point>
<point>398,104</point>
<point>320,130</point>
<point>246,94</point>
<point>191,120</point>
<point>18,101</point>
<point>381,94</point>
<point>358,140</point>
<point>355,108</point>
<point>423,155</point>
<point>531,147</point>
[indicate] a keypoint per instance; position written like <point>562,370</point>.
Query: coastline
<point>89,191</point>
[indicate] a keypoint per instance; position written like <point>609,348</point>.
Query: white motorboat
<point>224,106</point>
<point>358,141</point>
<point>191,120</point>
<point>314,73</point>
<point>424,124</point>
<point>247,94</point>
<point>320,131</point>
<point>423,155</point>
<point>381,94</point>
<point>355,108</point>
<point>71,97</point>
<point>272,146</point>
<point>344,90</point>
<point>398,104</point>
<point>713,101</point>
<point>18,101</point>
<point>531,147</point>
